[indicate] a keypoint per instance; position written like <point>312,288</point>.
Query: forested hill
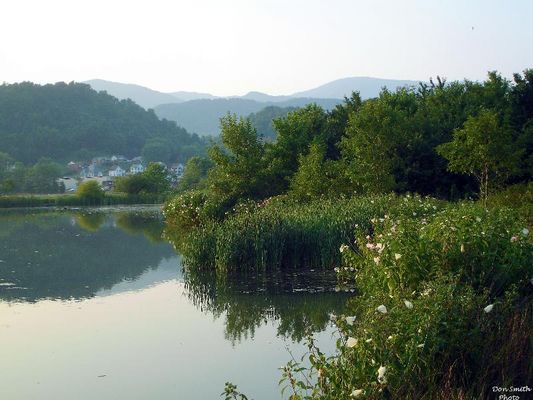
<point>203,116</point>
<point>72,121</point>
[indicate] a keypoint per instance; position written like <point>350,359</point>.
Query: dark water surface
<point>95,305</point>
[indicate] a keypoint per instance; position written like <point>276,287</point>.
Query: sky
<point>229,47</point>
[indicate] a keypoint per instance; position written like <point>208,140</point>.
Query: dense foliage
<point>38,178</point>
<point>443,309</point>
<point>443,289</point>
<point>449,140</point>
<point>154,180</point>
<point>72,121</point>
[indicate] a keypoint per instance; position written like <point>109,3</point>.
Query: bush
<point>444,305</point>
<point>90,192</point>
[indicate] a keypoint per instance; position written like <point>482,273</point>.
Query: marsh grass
<point>280,233</point>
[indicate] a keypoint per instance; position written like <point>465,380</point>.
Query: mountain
<point>203,116</point>
<point>263,97</point>
<point>72,121</point>
<point>367,87</point>
<point>186,96</point>
<point>145,97</point>
<point>262,120</point>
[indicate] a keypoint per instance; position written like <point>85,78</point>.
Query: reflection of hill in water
<point>74,255</point>
<point>301,303</point>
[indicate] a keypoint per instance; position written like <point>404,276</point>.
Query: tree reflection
<point>73,256</point>
<point>300,302</point>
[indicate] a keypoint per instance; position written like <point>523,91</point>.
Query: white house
<point>137,168</point>
<point>117,171</point>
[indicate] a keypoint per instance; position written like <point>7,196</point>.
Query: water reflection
<point>74,255</point>
<point>300,302</point>
<point>83,254</point>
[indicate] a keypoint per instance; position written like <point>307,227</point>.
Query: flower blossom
<point>382,309</point>
<point>350,320</point>
<point>408,304</point>
<point>357,393</point>
<point>397,256</point>
<point>343,248</point>
<point>525,231</point>
<point>381,374</point>
<point>351,342</point>
<point>489,308</point>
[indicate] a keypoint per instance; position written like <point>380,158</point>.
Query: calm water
<point>95,305</point>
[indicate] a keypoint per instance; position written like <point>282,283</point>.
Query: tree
<point>311,179</point>
<point>91,192</point>
<point>195,174</point>
<point>154,180</point>
<point>156,175</point>
<point>238,167</point>
<point>42,177</point>
<point>483,148</point>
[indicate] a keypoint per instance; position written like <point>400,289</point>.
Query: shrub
<point>443,308</point>
<point>90,192</point>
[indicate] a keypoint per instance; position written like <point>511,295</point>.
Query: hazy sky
<point>279,47</point>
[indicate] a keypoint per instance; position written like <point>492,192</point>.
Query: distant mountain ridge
<point>200,112</point>
<point>203,116</point>
<point>148,98</point>
<point>368,87</point>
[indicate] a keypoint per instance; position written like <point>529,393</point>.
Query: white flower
<point>478,219</point>
<point>343,248</point>
<point>381,374</point>
<point>351,342</point>
<point>336,269</point>
<point>368,340</point>
<point>514,239</point>
<point>525,231</point>
<point>382,309</point>
<point>397,256</point>
<point>408,304</point>
<point>421,345</point>
<point>357,393</point>
<point>489,308</point>
<point>350,320</point>
<point>376,260</point>
<point>390,337</point>
<point>462,248</point>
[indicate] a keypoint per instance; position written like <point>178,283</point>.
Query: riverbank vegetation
<point>420,199</point>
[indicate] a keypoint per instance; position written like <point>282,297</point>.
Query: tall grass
<point>281,233</point>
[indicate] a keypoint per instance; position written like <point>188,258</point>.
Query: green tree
<point>483,148</point>
<point>42,177</point>
<point>312,178</point>
<point>375,137</point>
<point>295,133</point>
<point>238,167</point>
<point>154,180</point>
<point>90,192</point>
<point>195,174</point>
<point>156,175</point>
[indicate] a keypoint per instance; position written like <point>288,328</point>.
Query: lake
<point>94,304</point>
